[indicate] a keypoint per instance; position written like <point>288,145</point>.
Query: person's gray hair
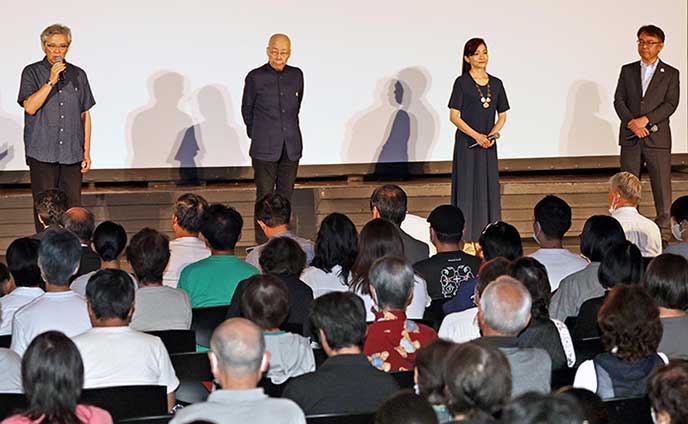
<point>239,346</point>
<point>59,256</point>
<point>55,29</point>
<point>506,304</point>
<point>392,278</point>
<point>627,185</point>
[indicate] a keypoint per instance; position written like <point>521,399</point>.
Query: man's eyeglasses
<point>57,46</point>
<point>648,43</point>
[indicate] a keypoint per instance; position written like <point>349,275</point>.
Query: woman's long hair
<point>469,49</point>
<point>378,238</point>
<point>336,244</point>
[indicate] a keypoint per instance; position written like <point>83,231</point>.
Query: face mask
<point>536,230</point>
<point>612,208</point>
<point>677,232</point>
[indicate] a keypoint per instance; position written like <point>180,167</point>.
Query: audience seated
<point>186,248</point>
<point>265,302</point>
<point>379,238</point>
<point>668,392</point>
<point>446,271</point>
<point>7,284</point>
<point>622,264</point>
<point>542,332</point>
<point>109,241</point>
<point>49,205</point>
<point>393,340</point>
<point>478,382</point>
<point>59,308</point>
<point>631,331</point>
<point>591,406</point>
<point>273,213</point>
<point>336,247</point>
<point>460,327</point>
<point>679,227</point>
<point>212,281</point>
<point>157,307</point>
<point>406,408</point>
<point>390,202</point>
<point>81,222</point>
<point>624,197</point>
<point>345,382</point>
<point>600,233</point>
<point>552,221</point>
<point>503,312</point>
<point>10,369</point>
<point>114,354</point>
<point>238,359</point>
<point>536,408</point>
<point>666,280</point>
<point>22,261</point>
<point>497,240</point>
<point>53,376</point>
<point>429,376</point>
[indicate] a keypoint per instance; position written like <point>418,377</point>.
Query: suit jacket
<point>658,104</point>
<point>414,250</point>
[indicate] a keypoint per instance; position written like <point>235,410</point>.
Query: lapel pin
<point>661,69</point>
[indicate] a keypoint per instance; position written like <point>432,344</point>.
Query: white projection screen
<point>168,75</point>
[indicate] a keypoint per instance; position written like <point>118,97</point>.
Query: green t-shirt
<point>212,281</point>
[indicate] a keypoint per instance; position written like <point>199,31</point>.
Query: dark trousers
<point>45,176</point>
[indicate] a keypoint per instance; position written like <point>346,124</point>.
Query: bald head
<point>79,221</point>
<point>278,50</point>
<point>239,347</point>
<point>505,306</point>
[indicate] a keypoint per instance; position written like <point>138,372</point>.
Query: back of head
<point>22,261</point>
<point>505,306</point>
<point>239,347</point>
<point>222,227</point>
<point>501,239</point>
<point>490,271</point>
<point>50,205</point>
<point>282,256</point>
<point>666,280</point>
<point>336,244</point>
<point>342,317</point>
<point>58,256</point>
<point>265,301</point>
<point>447,222</point>
<point>79,221</point>
<point>392,278</point>
<point>627,186</point>
<point>431,360</point>
<point>148,253</point>
<point>478,380</point>
<point>629,322</point>
<point>679,209</point>
<point>390,201</point>
<point>188,212</point>
<point>621,264</point>
<point>110,293</point>
<point>533,275</point>
<point>378,238</point>
<point>537,408</point>
<point>52,377</point>
<point>668,391</point>
<point>600,233</point>
<point>406,407</point>
<point>590,405</point>
<point>273,210</point>
<point>109,240</point>
<point>553,215</point>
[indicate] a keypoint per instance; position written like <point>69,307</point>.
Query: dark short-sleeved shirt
<point>55,134</point>
<point>270,107</point>
<point>465,98</point>
<point>445,272</point>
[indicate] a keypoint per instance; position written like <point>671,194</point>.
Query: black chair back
<point>271,389</point>
<point>629,410</point>
<point>176,341</point>
<point>341,419</point>
<point>587,349</point>
<point>562,378</point>
<point>159,419</point>
<point>404,379</point>
<point>292,327</point>
<point>6,341</point>
<point>205,320</point>
<point>434,313</point>
<point>192,370</point>
<point>124,402</point>
<point>11,403</point>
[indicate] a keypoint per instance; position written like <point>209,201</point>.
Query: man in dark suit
<point>646,96</point>
<point>389,202</point>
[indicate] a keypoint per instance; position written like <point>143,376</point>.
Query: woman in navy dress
<point>477,106</point>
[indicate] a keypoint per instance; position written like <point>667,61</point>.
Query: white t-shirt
<point>291,355</point>
<point>10,303</point>
<point>10,370</point>
<point>122,356</point>
<point>183,251</point>
<point>560,263</point>
<point>79,284</point>
<point>586,377</point>
<point>415,310</point>
<point>460,327</point>
<point>61,311</point>
<point>418,228</point>
<point>324,282</point>
<point>639,230</point>
<point>158,308</point>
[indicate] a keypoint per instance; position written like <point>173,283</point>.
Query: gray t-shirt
<point>574,290</point>
<point>678,249</point>
<point>253,256</point>
<point>675,337</point>
<point>158,308</point>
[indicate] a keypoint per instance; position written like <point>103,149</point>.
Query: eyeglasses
<point>57,46</point>
<point>648,43</point>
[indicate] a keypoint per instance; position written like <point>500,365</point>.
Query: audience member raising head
<point>81,222</point>
<point>679,227</point>
<point>600,233</point>
<point>212,281</point>
<point>336,247</point>
<point>536,408</point>
<point>668,391</point>
<point>49,206</point>
<point>266,303</point>
<point>429,376</point>
<point>157,307</point>
<point>22,263</point>
<point>345,382</point>
<point>186,248</point>
<point>238,359</point>
<point>393,340</point>
<point>60,308</point>
<point>406,407</point>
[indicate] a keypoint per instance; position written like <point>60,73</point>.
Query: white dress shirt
<point>324,282</point>
<point>639,230</point>
<point>418,228</point>
<point>10,303</point>
<point>183,251</point>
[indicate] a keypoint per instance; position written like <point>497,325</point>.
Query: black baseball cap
<point>447,219</point>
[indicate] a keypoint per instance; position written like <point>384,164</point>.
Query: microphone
<point>653,128</point>
<point>60,59</point>
<point>493,137</point>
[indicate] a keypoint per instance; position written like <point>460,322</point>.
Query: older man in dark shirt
<point>270,108</point>
<point>56,98</point>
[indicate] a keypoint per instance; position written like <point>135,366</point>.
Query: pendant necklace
<point>484,99</point>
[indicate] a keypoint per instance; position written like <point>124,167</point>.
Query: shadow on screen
<point>584,132</point>
<point>10,137</point>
